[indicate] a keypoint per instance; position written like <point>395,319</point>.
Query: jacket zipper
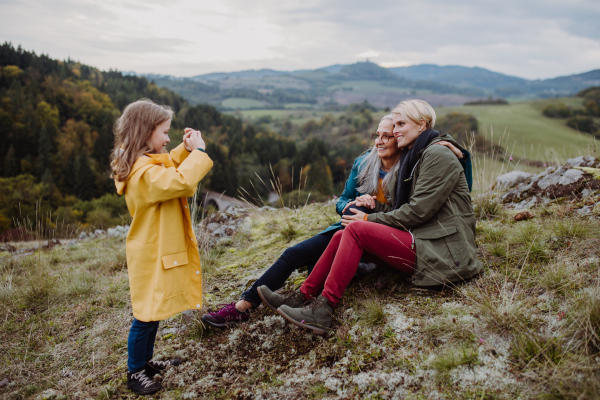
<point>412,245</point>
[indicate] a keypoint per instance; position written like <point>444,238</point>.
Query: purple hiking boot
<point>226,316</point>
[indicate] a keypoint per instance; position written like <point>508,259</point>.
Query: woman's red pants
<point>337,266</point>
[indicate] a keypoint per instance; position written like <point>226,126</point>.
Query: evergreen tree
<point>85,179</point>
<point>223,177</point>
<point>11,166</point>
<point>44,151</point>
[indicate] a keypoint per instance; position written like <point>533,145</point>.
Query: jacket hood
<point>145,161</point>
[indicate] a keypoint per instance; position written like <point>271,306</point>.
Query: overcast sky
<point>527,38</point>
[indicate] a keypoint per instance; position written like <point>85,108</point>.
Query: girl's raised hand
<point>187,133</point>
<point>194,140</point>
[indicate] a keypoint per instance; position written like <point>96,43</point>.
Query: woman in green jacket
<point>429,234</point>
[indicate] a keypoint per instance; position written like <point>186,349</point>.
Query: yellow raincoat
<point>162,252</point>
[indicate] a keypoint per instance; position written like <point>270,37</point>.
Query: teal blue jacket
<point>350,193</point>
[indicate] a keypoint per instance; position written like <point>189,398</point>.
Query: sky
<point>531,39</point>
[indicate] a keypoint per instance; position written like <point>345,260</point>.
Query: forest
<point>56,120</point>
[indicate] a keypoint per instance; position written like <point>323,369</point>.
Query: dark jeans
<point>305,253</point>
<point>140,344</point>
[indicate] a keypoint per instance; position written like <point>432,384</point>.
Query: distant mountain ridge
<point>344,83</point>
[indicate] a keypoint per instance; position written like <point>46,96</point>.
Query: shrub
<point>558,111</point>
<point>583,123</point>
<point>458,125</point>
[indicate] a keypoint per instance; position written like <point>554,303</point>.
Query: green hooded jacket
<point>440,217</point>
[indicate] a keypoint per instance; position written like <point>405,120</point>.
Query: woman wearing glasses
<point>429,233</point>
<point>366,187</point>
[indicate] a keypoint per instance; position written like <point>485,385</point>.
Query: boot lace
<point>143,378</point>
<point>312,303</point>
<point>290,295</point>
<point>161,364</point>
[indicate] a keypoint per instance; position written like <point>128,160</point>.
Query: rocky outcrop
<point>221,224</point>
<point>577,181</point>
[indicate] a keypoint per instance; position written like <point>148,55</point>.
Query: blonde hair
<point>416,111</point>
<point>368,177</point>
<point>133,130</point>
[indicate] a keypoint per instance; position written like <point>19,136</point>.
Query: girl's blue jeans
<point>140,344</point>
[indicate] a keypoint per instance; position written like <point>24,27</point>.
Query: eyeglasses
<point>384,138</point>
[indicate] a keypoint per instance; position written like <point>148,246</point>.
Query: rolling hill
<point>384,87</point>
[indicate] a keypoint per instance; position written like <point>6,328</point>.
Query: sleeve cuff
<point>366,217</point>
<point>202,150</point>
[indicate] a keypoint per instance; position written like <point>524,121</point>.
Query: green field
<point>520,128</point>
<point>525,132</point>
<point>241,103</point>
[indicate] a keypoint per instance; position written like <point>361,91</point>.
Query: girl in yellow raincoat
<point>162,252</point>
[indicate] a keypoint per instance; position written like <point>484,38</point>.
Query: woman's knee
<point>358,227</point>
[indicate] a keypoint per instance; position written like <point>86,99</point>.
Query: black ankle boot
<point>141,384</point>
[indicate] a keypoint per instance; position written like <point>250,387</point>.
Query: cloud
<point>533,39</point>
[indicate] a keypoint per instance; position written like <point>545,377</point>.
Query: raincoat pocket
<point>175,260</point>
<point>176,276</point>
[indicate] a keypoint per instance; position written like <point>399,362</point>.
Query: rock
<point>524,215</point>
<point>4,382</point>
<point>99,232</point>
<point>7,247</point>
<point>596,210</point>
<point>118,231</point>
<point>527,203</point>
<point>83,236</point>
<point>570,176</point>
<point>581,161</point>
<point>585,210</point>
<point>585,193</point>
<point>48,394</point>
<point>51,243</point>
<point>511,179</point>
<point>551,179</point>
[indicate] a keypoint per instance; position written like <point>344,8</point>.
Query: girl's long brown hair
<point>133,130</point>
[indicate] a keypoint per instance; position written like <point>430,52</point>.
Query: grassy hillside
<point>528,327</point>
<point>525,132</point>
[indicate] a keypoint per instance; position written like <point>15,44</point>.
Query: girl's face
<point>406,131</point>
<point>160,137</point>
<point>390,148</point>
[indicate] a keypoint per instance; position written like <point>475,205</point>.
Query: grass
<point>452,358</point>
<point>530,134</point>
<point>242,103</point>
<point>372,313</point>
<point>527,328</point>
